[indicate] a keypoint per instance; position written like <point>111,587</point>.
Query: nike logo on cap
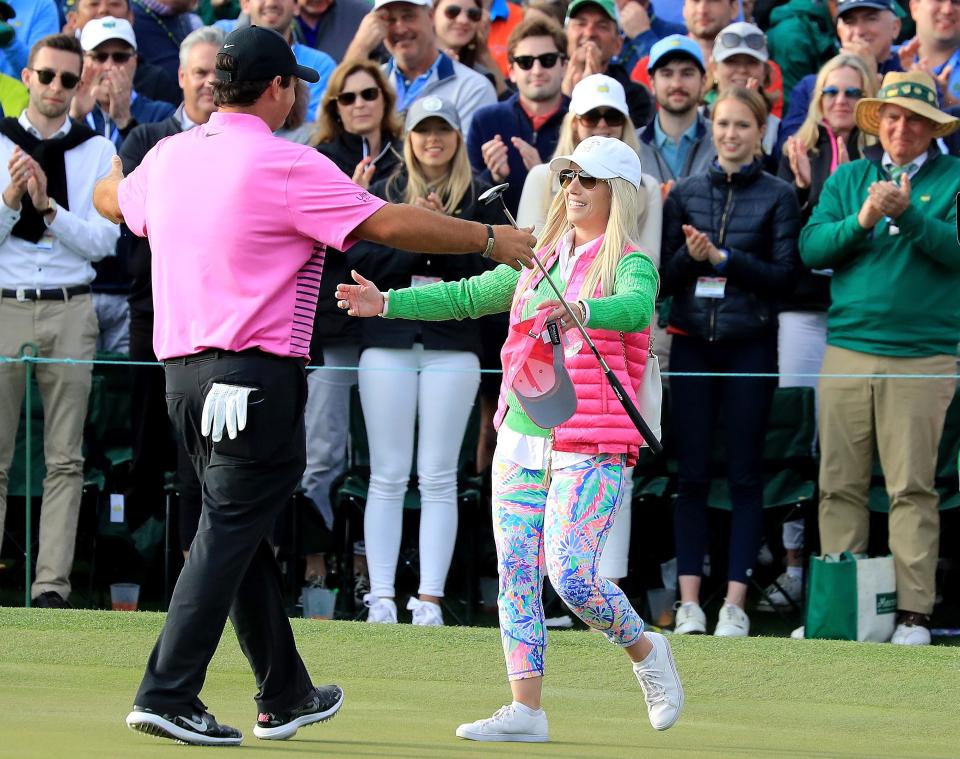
<point>232,44</point>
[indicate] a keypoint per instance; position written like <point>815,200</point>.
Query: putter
<point>496,193</point>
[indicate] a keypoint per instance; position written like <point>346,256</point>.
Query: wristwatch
<point>488,251</point>
<point>51,207</point>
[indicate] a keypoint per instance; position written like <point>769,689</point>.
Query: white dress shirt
<point>78,236</point>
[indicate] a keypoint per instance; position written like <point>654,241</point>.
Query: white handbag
<point>650,397</point>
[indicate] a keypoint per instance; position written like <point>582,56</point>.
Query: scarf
<point>49,154</point>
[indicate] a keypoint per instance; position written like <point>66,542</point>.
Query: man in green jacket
<point>886,225</point>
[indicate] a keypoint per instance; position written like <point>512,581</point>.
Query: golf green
<point>68,678</point>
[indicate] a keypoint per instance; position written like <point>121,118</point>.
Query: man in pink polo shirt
<point>239,222</point>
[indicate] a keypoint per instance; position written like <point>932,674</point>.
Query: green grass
<point>67,679</point>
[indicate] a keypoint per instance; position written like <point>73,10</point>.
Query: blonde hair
<point>626,206</point>
<point>809,131</point>
<point>451,189</point>
<point>568,139</point>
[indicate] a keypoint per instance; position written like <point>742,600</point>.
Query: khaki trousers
<point>59,329</point>
<point>903,420</point>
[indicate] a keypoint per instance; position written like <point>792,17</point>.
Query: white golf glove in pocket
<point>224,407</point>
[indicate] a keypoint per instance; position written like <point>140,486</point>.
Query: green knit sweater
<point>628,310</point>
<point>892,294</point>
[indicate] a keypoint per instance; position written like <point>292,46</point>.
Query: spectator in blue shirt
<point>329,25</point>
<point>31,20</point>
<point>936,48</point>
<point>507,139</point>
<point>642,28</point>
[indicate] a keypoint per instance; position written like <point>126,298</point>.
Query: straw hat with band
<point>914,91</point>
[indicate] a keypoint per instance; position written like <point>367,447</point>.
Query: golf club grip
<point>634,413</point>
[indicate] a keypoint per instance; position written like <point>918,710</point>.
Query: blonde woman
<point>827,139</point>
<point>419,378</point>
<point>556,491</point>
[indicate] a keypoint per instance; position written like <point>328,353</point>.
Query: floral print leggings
<point>558,530</point>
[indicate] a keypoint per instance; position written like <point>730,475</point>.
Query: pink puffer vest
<point>600,425</point>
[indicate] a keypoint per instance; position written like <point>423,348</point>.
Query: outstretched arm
<point>105,193</point>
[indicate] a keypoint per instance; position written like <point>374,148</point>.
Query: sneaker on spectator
<point>508,723</point>
<point>425,613</point>
<point>50,600</point>
<point>322,704</point>
<point>733,622</point>
<point>690,619</point>
<point>381,610</point>
<point>774,598</point>
<point>200,729</point>
<point>657,675</point>
<point>912,630</point>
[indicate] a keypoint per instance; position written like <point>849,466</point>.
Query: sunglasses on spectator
<point>349,98</point>
<point>586,181</point>
<point>453,11</point>
<point>118,57</point>
<point>852,93</point>
<point>608,115</point>
<point>753,40</point>
<point>547,60</point>
<point>46,76</point>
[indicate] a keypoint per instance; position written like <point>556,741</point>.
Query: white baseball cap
<point>378,4</point>
<point>603,158</point>
<point>99,30</point>
<point>740,38</point>
<point>596,91</point>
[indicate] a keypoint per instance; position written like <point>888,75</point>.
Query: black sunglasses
<point>547,60</point>
<point>349,98</point>
<point>452,11</point>
<point>118,57</point>
<point>46,76</point>
<point>754,41</point>
<point>852,93</point>
<point>609,115</point>
<point>586,181</point>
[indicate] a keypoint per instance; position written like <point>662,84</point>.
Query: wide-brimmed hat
<point>914,91</point>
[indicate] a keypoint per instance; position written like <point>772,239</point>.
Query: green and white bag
<point>850,598</point>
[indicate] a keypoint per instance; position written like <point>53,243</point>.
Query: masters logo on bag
<point>886,603</point>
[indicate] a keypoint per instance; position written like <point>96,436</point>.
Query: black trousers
<point>155,448</point>
<point>696,403</point>
<point>231,568</point>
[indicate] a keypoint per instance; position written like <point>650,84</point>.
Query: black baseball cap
<point>6,11</point>
<point>259,55</point>
<point>880,5</point>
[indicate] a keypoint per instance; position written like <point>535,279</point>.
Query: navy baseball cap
<point>260,54</point>
<point>880,5</point>
<point>675,46</point>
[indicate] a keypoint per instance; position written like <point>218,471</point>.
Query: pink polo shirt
<point>239,222</point>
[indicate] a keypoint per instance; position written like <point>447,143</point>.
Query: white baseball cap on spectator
<point>99,30</point>
<point>378,4</point>
<point>598,91</point>
<point>740,38</point>
<point>603,158</point>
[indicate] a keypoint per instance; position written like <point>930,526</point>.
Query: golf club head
<point>494,193</point>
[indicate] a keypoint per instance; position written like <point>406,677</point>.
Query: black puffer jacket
<point>754,217</point>
<point>812,292</point>
<point>332,326</point>
<point>394,268</point>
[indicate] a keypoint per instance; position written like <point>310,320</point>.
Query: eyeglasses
<point>586,181</point>
<point>349,98</point>
<point>118,57</point>
<point>547,60</point>
<point>609,115</point>
<point>852,93</point>
<point>46,76</point>
<point>473,14</point>
<point>754,41</point>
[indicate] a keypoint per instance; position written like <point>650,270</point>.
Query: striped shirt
<point>239,222</point>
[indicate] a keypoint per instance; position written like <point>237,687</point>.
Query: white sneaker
<point>733,622</point>
<point>509,723</point>
<point>660,682</point>
<point>799,634</point>
<point>425,613</point>
<point>690,619</point>
<point>774,598</point>
<point>911,635</point>
<point>381,610</point>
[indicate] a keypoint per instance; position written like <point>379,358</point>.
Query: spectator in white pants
<point>419,376</point>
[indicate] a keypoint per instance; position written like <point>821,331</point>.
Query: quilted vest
<point>600,424</point>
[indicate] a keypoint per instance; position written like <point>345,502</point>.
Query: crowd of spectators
<point>795,232</point>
